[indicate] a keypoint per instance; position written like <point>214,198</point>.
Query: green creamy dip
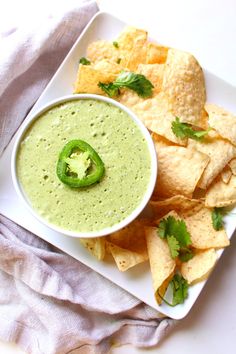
<point>121,146</point>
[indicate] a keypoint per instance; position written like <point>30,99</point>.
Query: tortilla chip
<point>107,66</point>
<point>220,152</point>
<point>132,43</point>
<point>179,170</point>
<point>221,194</point>
<point>156,54</point>
<point>100,50</point>
<point>177,203</point>
<point>199,267</point>
<point>226,174</point>
<point>96,246</point>
<point>88,79</point>
<point>222,121</point>
<point>203,122</point>
<point>200,227</point>
<point>155,114</point>
<point>128,245</point>
<point>161,264</point>
<point>137,55</point>
<point>232,165</point>
<point>183,83</point>
<point>154,73</point>
<point>160,141</point>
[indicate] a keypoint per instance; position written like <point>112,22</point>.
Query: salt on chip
<point>96,246</point>
<point>156,54</point>
<point>154,73</point>
<point>226,174</point>
<point>179,170</point>
<point>183,83</point>
<point>161,264</point>
<point>177,203</point>
<point>88,79</point>
<point>232,165</point>
<point>221,194</point>
<point>220,152</point>
<point>200,227</point>
<point>100,50</point>
<point>199,267</point>
<point>222,121</point>
<point>128,245</point>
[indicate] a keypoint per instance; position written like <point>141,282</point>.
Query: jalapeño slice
<point>79,165</point>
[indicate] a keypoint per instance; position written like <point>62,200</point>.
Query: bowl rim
<point>108,230</point>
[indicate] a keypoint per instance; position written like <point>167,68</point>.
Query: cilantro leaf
<point>173,246</point>
<point>177,236</point>
<point>185,254</point>
<point>176,228</point>
<point>84,61</point>
<point>116,44</point>
<point>184,130</point>
<point>179,287</point>
<point>110,89</point>
<point>217,218</point>
<point>162,227</point>
<point>136,82</point>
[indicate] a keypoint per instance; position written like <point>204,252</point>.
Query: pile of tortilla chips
<point>193,176</point>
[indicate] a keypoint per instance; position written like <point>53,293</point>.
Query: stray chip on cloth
<point>128,245</point>
<point>221,194</point>
<point>222,121</point>
<point>96,246</point>
<point>199,267</point>
<point>220,152</point>
<point>183,83</point>
<point>161,264</point>
<point>179,170</point>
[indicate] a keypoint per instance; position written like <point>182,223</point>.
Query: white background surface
<point>207,29</point>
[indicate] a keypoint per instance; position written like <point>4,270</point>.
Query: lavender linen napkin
<point>46,302</point>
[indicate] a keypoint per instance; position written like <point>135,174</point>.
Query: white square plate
<point>138,280</point>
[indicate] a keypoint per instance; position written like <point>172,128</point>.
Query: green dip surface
<point>121,146</point>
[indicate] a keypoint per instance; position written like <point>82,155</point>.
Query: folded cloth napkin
<point>49,302</point>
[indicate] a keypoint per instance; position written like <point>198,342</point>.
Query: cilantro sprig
<point>184,130</point>
<point>115,44</point>
<point>136,82</point>
<point>217,218</point>
<point>177,236</point>
<point>84,61</point>
<point>179,287</point>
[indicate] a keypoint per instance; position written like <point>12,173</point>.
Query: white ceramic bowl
<point>146,196</point>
